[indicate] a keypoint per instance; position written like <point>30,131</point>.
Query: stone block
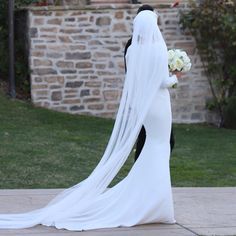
<point>92,30</point>
<point>65,39</point>
<point>81,37</point>
<point>56,96</point>
<point>68,71</point>
<point>70,91</point>
<point>114,48</point>
<point>84,92</point>
<point>75,84</point>
<point>82,18</point>
<point>41,92</point>
<point>42,62</point>
<point>40,46</point>
<point>48,38</point>
<point>69,19</point>
<point>55,86</point>
<point>38,21</point>
<point>183,94</point>
<point>200,108</point>
<point>37,53</point>
<point>95,42</point>
<point>71,101</point>
<point>91,100</point>
<point>44,71</point>
<point>96,106</point>
<point>77,47</point>
<point>59,13</point>
<point>54,79</point>
<point>39,86</point>
<point>96,92</point>
<point>71,77</point>
<point>89,72</point>
<point>38,79</point>
<point>100,66</point>
<point>49,29</point>
<point>105,72</point>
<point>98,55</point>
<point>83,65</point>
<point>119,27</point>
<point>77,108</point>
<point>65,64</point>
<point>112,106</point>
<point>55,55</point>
<point>119,15</point>
<point>78,55</point>
<point>70,31</point>
<point>196,116</point>
<point>54,21</point>
<point>93,84</point>
<point>58,47</point>
<point>103,21</point>
<point>111,95</point>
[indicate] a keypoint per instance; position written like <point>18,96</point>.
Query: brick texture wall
<point>76,60</point>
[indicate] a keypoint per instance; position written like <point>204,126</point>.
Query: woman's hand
<point>178,74</point>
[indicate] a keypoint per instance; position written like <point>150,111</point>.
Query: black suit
<point>142,134</point>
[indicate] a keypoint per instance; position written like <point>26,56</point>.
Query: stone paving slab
<point>198,211</point>
<point>206,211</point>
<point>150,230</point>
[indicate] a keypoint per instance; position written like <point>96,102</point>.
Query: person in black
<point>142,135</point>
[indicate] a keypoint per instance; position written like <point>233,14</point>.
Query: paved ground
<point>198,211</point>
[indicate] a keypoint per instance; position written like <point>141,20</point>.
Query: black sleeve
<point>126,48</point>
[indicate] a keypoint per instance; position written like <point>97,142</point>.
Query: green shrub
<point>3,39</point>
<point>230,113</point>
<point>213,24</point>
<point>21,63</point>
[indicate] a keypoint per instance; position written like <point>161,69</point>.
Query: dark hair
<point>145,7</point>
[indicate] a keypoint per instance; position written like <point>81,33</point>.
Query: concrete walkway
<point>198,211</point>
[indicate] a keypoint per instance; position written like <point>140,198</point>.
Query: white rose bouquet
<point>178,60</point>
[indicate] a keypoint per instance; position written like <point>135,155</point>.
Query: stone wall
<point>76,60</point>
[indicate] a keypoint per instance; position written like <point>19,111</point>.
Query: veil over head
<point>147,67</point>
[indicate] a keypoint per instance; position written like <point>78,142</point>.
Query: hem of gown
<point>60,226</point>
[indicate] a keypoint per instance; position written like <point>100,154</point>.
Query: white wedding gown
<point>144,195</point>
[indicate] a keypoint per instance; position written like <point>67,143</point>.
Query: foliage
<point>21,67</point>
<point>213,24</point>
<point>3,38</point>
<point>230,113</point>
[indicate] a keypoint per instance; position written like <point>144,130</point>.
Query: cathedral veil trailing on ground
<point>144,195</point>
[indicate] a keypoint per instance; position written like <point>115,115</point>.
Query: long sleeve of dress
<point>169,82</point>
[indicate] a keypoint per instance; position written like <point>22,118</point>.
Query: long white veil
<point>147,67</point>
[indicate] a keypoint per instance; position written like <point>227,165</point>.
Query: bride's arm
<point>170,81</point>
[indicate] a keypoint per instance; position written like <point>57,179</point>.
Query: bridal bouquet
<point>178,61</point>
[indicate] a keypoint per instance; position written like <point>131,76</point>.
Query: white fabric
<point>144,196</point>
<point>169,82</point>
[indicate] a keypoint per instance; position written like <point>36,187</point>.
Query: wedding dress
<point>144,195</point>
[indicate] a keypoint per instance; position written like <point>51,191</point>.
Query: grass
<point>204,156</point>
<point>46,149</point>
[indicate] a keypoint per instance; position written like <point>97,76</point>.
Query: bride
<point>144,195</point>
